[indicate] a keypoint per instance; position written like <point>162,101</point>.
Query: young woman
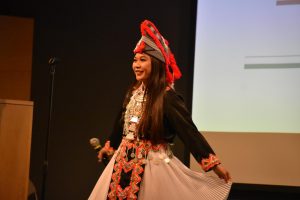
<point>142,165</point>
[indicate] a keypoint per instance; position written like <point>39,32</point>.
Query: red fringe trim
<point>208,163</point>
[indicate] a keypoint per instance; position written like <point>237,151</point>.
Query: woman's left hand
<point>222,173</point>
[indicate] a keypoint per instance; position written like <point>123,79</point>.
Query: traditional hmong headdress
<point>154,44</point>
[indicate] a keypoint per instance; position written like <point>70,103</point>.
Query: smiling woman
<point>141,66</point>
<point>143,166</point>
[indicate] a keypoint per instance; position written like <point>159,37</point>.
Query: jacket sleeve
<point>181,123</point>
<point>117,132</point>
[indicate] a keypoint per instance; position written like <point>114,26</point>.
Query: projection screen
<point>246,92</point>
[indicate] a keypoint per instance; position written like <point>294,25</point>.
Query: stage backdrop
<point>95,42</point>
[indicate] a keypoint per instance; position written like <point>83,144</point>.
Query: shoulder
<point>173,99</point>
<point>172,95</point>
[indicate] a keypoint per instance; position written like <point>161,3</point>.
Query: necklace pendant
<point>130,136</point>
<point>132,155</point>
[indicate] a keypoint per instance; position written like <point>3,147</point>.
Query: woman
<point>143,166</point>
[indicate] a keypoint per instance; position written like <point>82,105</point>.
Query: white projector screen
<point>247,73</point>
<point>247,66</point>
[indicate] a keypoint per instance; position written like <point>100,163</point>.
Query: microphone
<point>95,143</point>
<point>54,61</point>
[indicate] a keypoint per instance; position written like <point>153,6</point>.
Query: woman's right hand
<point>106,152</point>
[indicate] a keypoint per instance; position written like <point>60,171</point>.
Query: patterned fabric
<point>132,154</point>
<point>139,170</point>
<point>129,168</point>
<point>210,162</point>
<point>165,179</point>
<point>133,114</point>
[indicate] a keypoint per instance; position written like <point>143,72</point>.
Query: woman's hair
<point>151,123</point>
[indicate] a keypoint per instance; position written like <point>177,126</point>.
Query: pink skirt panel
<point>101,188</point>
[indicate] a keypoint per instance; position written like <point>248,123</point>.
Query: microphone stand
<point>52,63</point>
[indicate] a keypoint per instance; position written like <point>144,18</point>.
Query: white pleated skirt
<point>170,180</point>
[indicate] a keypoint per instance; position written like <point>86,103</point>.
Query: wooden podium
<point>15,142</point>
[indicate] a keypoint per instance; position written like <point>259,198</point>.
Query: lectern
<point>15,142</point>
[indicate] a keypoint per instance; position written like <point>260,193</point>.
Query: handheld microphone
<point>95,143</point>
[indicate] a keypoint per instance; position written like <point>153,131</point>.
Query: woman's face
<point>141,66</point>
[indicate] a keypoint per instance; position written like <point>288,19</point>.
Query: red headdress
<point>153,43</point>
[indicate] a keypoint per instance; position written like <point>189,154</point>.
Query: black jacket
<point>177,121</point>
